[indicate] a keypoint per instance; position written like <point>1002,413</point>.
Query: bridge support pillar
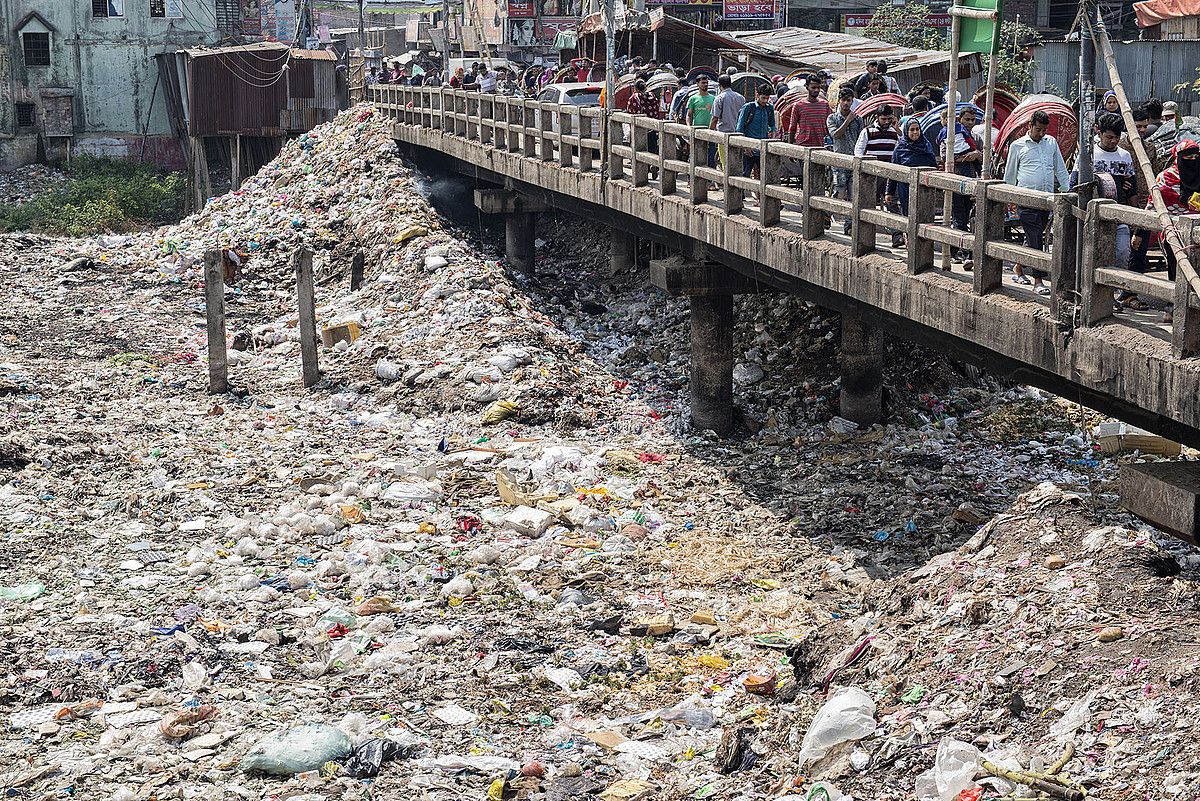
<point>520,224</point>
<point>712,362</point>
<point>710,287</point>
<point>622,251</point>
<point>519,237</point>
<point>862,371</point>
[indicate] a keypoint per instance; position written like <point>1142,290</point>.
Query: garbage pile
<point>25,183</point>
<point>485,557</point>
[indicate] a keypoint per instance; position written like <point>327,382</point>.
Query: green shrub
<point>101,194</point>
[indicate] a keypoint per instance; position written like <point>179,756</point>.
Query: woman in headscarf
<point>1110,104</point>
<point>913,150</point>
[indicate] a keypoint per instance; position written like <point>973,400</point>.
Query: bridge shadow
<point>957,448</point>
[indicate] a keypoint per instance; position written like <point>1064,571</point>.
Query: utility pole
<point>362,49</point>
<point>610,50</point>
<point>1087,117</point>
<point>1087,94</point>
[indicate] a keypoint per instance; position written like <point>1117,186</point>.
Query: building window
<point>158,8</point>
<point>37,49</point>
<point>108,8</point>
<point>25,115</point>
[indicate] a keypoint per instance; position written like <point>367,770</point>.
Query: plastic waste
<point>848,715</point>
<point>1075,718</point>
<point>22,592</point>
<point>368,757</point>
<point>296,750</point>
<point>953,771</point>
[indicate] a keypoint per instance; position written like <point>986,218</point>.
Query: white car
<point>585,95</point>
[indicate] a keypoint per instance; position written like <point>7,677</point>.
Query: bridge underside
<point>1115,369</point>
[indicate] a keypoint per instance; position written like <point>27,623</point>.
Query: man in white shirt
<point>1035,162</point>
<point>488,80</point>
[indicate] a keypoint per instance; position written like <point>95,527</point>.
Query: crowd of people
<point>815,115</point>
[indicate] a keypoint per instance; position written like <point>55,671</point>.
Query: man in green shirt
<point>699,113</point>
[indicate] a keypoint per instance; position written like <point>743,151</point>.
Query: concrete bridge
<point>737,235</point>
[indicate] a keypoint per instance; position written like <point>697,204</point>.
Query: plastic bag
<point>953,771</point>
<point>848,715</point>
<point>296,750</point>
<point>1076,717</point>
<point>368,758</point>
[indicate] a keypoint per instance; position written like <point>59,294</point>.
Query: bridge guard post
<point>989,227</point>
<point>1185,329</point>
<point>712,362</point>
<point>862,371</point>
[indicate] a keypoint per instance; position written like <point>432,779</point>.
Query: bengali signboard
<point>857,23</point>
<point>521,9</point>
<point>749,9</point>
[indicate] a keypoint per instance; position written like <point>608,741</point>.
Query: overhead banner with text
<point>749,9</point>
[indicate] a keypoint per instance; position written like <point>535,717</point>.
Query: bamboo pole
<point>951,122</point>
<point>1170,233</point>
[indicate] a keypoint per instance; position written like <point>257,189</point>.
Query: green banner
<point>980,35</point>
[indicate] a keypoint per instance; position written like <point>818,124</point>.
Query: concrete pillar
<point>621,251</point>
<point>712,362</point>
<point>862,371</point>
<point>519,228</point>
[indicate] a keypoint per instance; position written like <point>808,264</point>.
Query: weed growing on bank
<point>102,194</point>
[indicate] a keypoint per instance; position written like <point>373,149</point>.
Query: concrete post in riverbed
<point>214,305</point>
<point>862,371</point>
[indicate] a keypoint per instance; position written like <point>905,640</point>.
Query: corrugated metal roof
<point>669,28</point>
<point>840,53</point>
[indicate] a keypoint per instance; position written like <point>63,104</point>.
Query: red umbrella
<point>870,107</point>
<point>1063,125</point>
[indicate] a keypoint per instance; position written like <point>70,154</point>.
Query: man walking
<point>727,107</point>
<point>844,127</point>
<point>1035,162</point>
<point>878,142</point>
<point>756,121</point>
<point>809,116</point>
<point>700,114</point>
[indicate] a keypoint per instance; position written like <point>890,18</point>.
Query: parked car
<point>585,95</point>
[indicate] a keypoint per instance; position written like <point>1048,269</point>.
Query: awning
<point>1154,12</point>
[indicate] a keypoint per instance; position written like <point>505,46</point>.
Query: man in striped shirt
<point>806,123</point>
<point>878,142</point>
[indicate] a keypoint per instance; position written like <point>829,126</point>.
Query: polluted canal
<point>485,557</point>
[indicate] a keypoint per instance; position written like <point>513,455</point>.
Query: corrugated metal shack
<point>785,49</point>
<point>1148,69</point>
<point>235,106</point>
<point>656,35</point>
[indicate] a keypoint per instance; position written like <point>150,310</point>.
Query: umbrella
<point>1064,127</point>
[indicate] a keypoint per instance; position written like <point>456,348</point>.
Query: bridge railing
<point>660,156</point>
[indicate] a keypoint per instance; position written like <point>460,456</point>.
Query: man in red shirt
<point>808,116</point>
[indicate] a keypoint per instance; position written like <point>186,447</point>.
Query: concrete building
<point>79,76</point>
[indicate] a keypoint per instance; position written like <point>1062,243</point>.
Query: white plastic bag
<point>848,715</point>
<point>953,771</point>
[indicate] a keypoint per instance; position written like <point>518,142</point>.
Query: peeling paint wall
<point>108,64</point>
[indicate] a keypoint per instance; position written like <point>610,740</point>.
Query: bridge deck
<point>1129,365</point>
